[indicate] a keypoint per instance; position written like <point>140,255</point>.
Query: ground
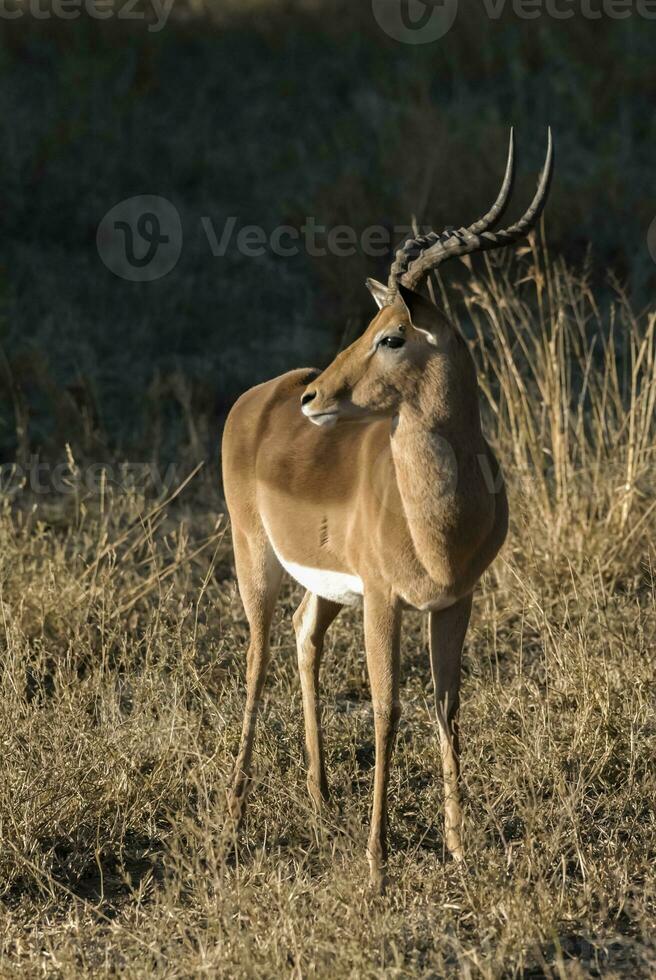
<point>122,639</point>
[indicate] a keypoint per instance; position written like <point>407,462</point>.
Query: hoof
<point>378,878</point>
<point>235,810</point>
<point>379,881</point>
<point>455,848</point>
<point>237,802</point>
<point>319,796</point>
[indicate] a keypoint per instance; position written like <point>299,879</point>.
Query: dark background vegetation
<point>272,112</point>
<point>122,635</point>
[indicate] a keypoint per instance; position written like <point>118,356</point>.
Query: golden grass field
<point>123,637</point>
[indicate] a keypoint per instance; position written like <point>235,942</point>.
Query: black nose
<point>308,397</point>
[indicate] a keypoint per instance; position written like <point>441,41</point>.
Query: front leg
<point>382,622</point>
<point>447,634</point>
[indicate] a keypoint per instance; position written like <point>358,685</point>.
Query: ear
<point>424,314</point>
<point>378,290</point>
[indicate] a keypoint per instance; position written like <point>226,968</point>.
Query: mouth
<point>323,419</point>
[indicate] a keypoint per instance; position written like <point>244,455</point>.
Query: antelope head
<point>410,335</point>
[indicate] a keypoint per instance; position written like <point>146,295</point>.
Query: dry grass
<point>122,675</point>
<point>276,111</point>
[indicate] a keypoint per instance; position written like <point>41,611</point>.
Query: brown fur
<point>402,492</point>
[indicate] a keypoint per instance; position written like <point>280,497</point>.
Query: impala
<point>372,479</point>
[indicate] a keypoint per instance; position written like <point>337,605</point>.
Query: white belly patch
<point>337,586</point>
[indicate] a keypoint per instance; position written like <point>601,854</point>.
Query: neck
<point>445,407</point>
<point>437,461</point>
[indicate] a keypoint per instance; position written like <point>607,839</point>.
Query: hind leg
<point>259,574</point>
<point>311,620</point>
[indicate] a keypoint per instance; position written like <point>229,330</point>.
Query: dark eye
<point>393,342</point>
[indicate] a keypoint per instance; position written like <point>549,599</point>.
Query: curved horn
<point>412,247</point>
<point>452,243</point>
<point>498,209</point>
